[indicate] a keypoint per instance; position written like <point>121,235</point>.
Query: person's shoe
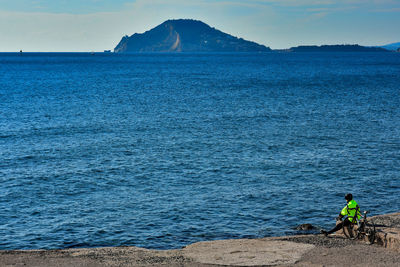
<point>325,233</point>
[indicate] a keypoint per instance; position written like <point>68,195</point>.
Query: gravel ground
<point>321,241</point>
<point>98,257</point>
<point>355,255</point>
<point>328,251</point>
<point>339,251</point>
<point>334,250</point>
<point>391,220</point>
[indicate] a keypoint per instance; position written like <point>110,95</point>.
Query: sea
<point>162,150</point>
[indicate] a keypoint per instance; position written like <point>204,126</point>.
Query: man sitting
<point>352,210</point>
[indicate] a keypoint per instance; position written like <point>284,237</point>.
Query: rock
<point>305,227</point>
<point>388,230</point>
<point>386,220</point>
<point>247,252</point>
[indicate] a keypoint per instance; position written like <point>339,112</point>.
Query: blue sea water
<point>163,150</point>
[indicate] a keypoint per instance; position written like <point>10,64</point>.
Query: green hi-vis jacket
<point>350,210</point>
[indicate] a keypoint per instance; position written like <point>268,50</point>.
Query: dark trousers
<point>339,226</point>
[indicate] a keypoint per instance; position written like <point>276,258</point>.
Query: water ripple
<point>160,151</point>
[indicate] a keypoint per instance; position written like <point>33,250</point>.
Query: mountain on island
<point>393,46</point>
<point>186,35</point>
<point>336,48</point>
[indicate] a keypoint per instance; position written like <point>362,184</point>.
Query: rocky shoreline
<point>299,250</point>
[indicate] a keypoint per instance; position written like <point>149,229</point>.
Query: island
<point>336,48</point>
<point>186,35</point>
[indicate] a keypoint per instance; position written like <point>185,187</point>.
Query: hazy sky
<point>95,25</point>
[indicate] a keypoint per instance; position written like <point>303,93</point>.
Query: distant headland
<point>187,35</point>
<point>336,48</point>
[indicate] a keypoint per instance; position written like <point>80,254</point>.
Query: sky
<point>97,25</point>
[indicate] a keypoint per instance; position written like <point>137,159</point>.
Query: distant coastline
<point>297,49</point>
<point>336,48</point>
<point>187,35</point>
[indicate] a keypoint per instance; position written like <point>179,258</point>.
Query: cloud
<point>48,31</point>
<point>58,32</point>
<point>271,22</point>
<point>63,6</point>
<point>388,10</point>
